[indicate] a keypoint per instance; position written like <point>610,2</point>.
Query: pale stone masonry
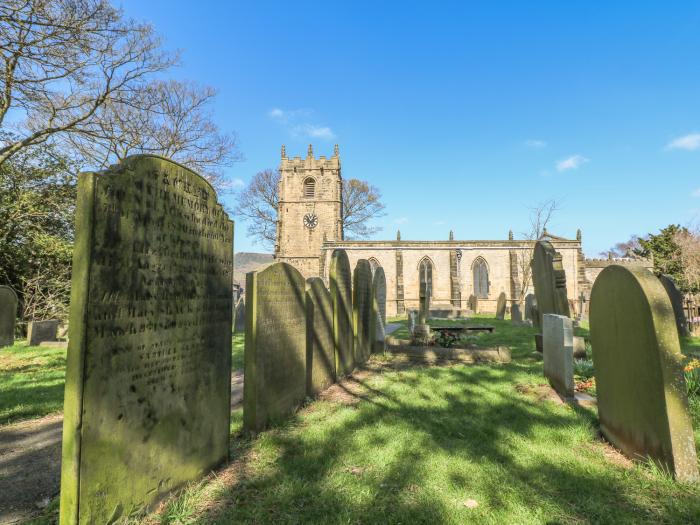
<point>310,228</point>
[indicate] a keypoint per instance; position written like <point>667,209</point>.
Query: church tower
<point>310,209</point>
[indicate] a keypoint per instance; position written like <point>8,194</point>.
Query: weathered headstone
<point>148,376</point>
<point>530,303</point>
<point>421,331</point>
<point>549,278</point>
<point>275,345</point>
<point>516,315</point>
<point>40,331</point>
<point>379,308</point>
<point>239,323</point>
<point>341,297</point>
<point>362,310</point>
<point>8,316</point>
<point>320,349</point>
<point>501,306</point>
<point>412,316</point>
<point>473,303</point>
<point>558,353</point>
<point>642,401</point>
<point>676,297</point>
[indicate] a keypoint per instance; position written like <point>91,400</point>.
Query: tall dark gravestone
<point>8,316</point>
<point>642,400</point>
<point>275,345</point>
<point>676,297</point>
<point>549,279</point>
<point>148,373</point>
<point>320,349</point>
<point>379,309</point>
<point>362,310</point>
<point>341,297</point>
<point>239,314</point>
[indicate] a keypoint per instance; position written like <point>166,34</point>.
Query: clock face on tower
<point>310,220</point>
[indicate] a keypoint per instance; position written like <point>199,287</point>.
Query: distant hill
<point>245,262</point>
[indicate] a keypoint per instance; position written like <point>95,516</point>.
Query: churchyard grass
<point>32,379</point>
<point>459,444</point>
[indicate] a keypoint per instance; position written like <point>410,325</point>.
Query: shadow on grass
<point>422,442</point>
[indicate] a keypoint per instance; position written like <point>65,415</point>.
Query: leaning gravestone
<point>558,353</point>
<point>341,297</point>
<point>239,323</point>
<point>8,316</point>
<point>40,331</point>
<point>148,376</point>
<point>379,308</point>
<point>320,354</point>
<point>676,297</point>
<point>549,278</point>
<point>501,306</point>
<point>642,401</point>
<point>275,345</point>
<point>362,310</point>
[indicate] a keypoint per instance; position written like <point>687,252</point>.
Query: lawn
<point>32,379</point>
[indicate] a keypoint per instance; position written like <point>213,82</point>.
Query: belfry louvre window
<point>309,188</point>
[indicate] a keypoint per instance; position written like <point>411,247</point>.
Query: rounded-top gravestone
<point>341,298</point>
<point>362,310</point>
<point>642,401</point>
<point>501,306</point>
<point>379,308</point>
<point>320,351</point>
<point>676,297</point>
<point>549,279</point>
<point>8,316</point>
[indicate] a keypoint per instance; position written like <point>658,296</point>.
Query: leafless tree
<point>624,249</point>
<point>540,217</point>
<point>63,60</point>
<point>687,256</point>
<point>168,118</point>
<point>257,204</point>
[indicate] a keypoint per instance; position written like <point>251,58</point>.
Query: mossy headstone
<point>239,314</point>
<point>549,279</point>
<point>148,373</point>
<point>379,308</point>
<point>676,298</point>
<point>501,306</point>
<point>362,310</point>
<point>275,345</point>
<point>341,297</point>
<point>642,401</point>
<point>320,349</point>
<point>8,316</point>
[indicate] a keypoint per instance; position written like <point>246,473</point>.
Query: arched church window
<point>481,278</point>
<point>425,277</point>
<point>309,188</point>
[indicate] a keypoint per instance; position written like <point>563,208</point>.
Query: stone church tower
<point>310,209</point>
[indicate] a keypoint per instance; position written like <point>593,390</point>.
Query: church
<point>310,227</point>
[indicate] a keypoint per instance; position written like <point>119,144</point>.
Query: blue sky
<point>464,114</point>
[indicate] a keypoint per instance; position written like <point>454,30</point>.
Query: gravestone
<point>379,308</point>
<point>341,297</point>
<point>275,345</point>
<point>473,303</point>
<point>320,352</point>
<point>40,331</point>
<point>549,278</point>
<point>412,316</point>
<point>362,310</point>
<point>676,297</point>
<point>148,372</point>
<point>8,316</point>
<point>558,353</point>
<point>239,323</point>
<point>421,331</point>
<point>642,401</point>
<point>501,306</point>
<point>515,314</point>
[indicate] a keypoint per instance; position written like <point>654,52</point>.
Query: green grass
<point>31,382</point>
<point>424,444</point>
<point>32,379</point>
